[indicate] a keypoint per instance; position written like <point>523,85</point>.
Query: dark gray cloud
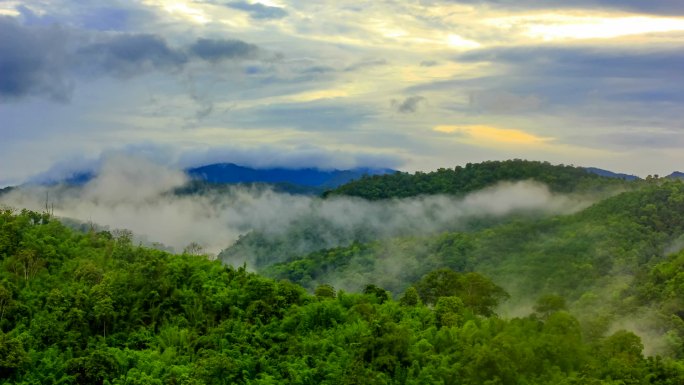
<point>32,61</point>
<point>215,50</point>
<point>572,75</point>
<point>317,69</point>
<point>586,62</point>
<point>257,10</point>
<point>132,54</point>
<point>128,55</point>
<point>627,86</point>
<point>46,60</point>
<point>408,105</point>
<point>663,7</point>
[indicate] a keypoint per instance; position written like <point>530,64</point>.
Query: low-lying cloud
<point>137,194</point>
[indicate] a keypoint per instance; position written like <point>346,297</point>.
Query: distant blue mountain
<point>676,175</point>
<point>231,173</point>
<point>610,174</point>
<point>77,178</point>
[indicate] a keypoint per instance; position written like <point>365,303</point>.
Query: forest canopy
<point>92,308</point>
<point>590,296</point>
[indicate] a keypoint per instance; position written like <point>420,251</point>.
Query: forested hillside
<point>306,235</point>
<point>598,259</point>
<point>618,235</point>
<point>475,176</point>
<point>91,308</point>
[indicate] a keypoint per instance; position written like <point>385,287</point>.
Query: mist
<point>137,194</point>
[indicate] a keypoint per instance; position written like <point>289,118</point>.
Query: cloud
<point>298,156</point>
<point>109,19</point>
<point>492,101</point>
<point>363,64</point>
<point>258,10</point>
<point>652,139</point>
<point>429,63</point>
<point>585,61</point>
<point>31,18</point>
<point>487,135</point>
<point>125,178</point>
<point>652,6</point>
<point>630,79</point>
<point>264,156</point>
<point>215,50</point>
<point>408,105</point>
<point>38,60</point>
<point>134,193</point>
<point>95,15</point>
<point>318,115</point>
<point>127,55</point>
<point>32,61</point>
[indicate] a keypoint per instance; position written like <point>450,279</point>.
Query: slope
<point>304,236</point>
<point>593,258</point>
<point>91,308</point>
<point>475,176</point>
<point>227,173</point>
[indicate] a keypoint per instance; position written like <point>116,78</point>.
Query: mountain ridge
<point>231,173</point>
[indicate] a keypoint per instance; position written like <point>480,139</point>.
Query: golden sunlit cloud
<point>269,3</point>
<point>457,41</point>
<point>550,27</point>
<point>484,135</point>
<point>185,11</point>
<point>9,12</point>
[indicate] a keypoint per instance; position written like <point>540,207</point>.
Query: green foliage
<point>410,297</point>
<point>549,303</point>
<point>578,256</point>
<point>102,311</point>
<point>461,180</point>
<point>325,291</point>
<point>475,291</point>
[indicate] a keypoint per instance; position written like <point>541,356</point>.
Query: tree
<point>549,303</point>
<point>325,291</point>
<point>193,248</point>
<point>476,291</point>
<point>410,297</point>
<point>449,311</point>
<point>12,355</point>
<point>439,283</point>
<point>481,294</point>
<point>378,292</point>
<point>103,307</point>
<point>5,300</point>
<point>26,264</point>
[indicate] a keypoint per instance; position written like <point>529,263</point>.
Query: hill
<point>610,174</point>
<point>472,177</point>
<point>91,308</point>
<point>305,236</point>
<point>215,178</point>
<point>594,258</point>
<point>630,230</point>
<point>311,177</point>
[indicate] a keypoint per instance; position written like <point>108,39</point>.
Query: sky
<point>411,85</point>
